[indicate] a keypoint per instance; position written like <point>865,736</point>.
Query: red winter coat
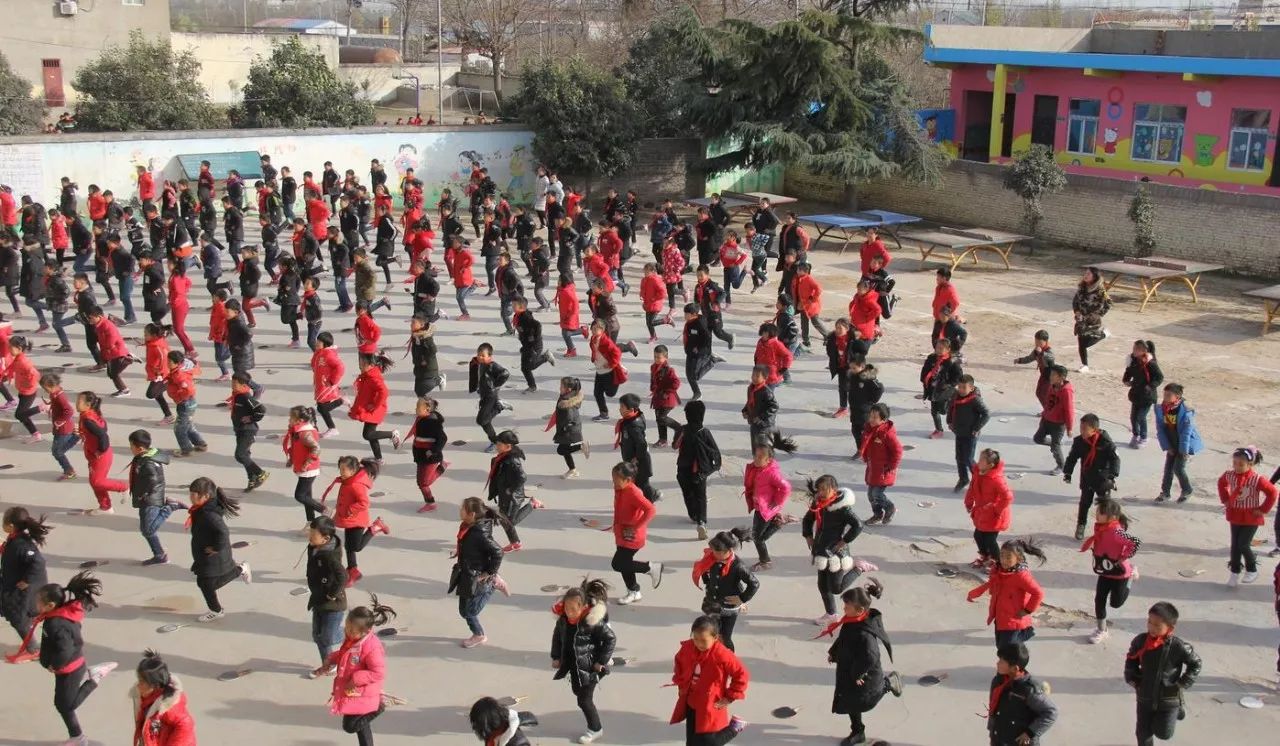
<point>157,365</point>
<point>597,268</point>
<point>318,217</point>
<point>989,500</point>
<point>92,448</point>
<point>773,353</point>
<point>180,385</point>
<point>653,293</point>
<point>807,294</point>
<point>945,295</point>
<point>631,515</point>
<point>871,250</point>
<point>26,378</point>
<point>1243,494</point>
<point>166,722</point>
<point>326,374</point>
<point>664,386</point>
<point>109,340</point>
<point>371,397</point>
<point>567,303</point>
<point>462,261</point>
<point>610,248</point>
<point>9,209</point>
<point>864,313</point>
<point>62,414</point>
<point>146,187</point>
<point>179,290</point>
<point>302,449</point>
<point>1060,405</point>
<point>218,322</point>
<point>607,350</point>
<point>732,255</point>
<point>353,501</point>
<point>368,333</point>
<point>1011,594</point>
<point>882,453</point>
<point>58,236</point>
<point>703,678</point>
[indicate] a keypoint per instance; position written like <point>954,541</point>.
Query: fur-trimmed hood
<point>162,705</point>
<point>572,402</point>
<point>595,615</point>
<point>846,499</point>
<point>513,727</point>
<point>868,373</point>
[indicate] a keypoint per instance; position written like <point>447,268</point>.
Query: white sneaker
<point>571,474</point>
<point>1106,333</point>
<point>1083,369</point>
<point>245,573</point>
<point>1098,636</point>
<point>655,573</point>
<point>590,736</point>
<point>630,598</point>
<point>99,672</point>
<point>1249,576</point>
<point>444,381</point>
<point>212,616</point>
<point>826,619</point>
<point>1233,580</point>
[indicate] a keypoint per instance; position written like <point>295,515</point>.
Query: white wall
<point>225,58</point>
<point>383,85</point>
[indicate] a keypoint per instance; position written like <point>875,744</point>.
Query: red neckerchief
<point>1099,528</point>
<point>817,510</point>
<point>1151,643</point>
<point>1238,482</point>
<point>347,644</point>
<point>709,561</point>
<point>1040,357</point>
<point>846,619</point>
<point>868,436</point>
<point>493,466</point>
<point>7,539</point>
<point>937,366</point>
<point>617,428</point>
<point>73,612</point>
<point>842,343</point>
<point>462,533</point>
<point>958,400</point>
<point>191,516</point>
<point>752,390</point>
<point>999,692</point>
<point>1145,362</point>
<point>1092,455</point>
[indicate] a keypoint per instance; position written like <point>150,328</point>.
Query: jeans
<point>62,444</point>
<point>60,324</point>
<point>469,607</point>
<point>461,294</point>
<point>733,277</point>
<point>80,265</point>
<point>313,332</point>
<point>966,446</point>
<point>568,335</point>
<point>491,267</point>
<point>506,312</point>
<point>184,430</point>
<point>1175,464</point>
<point>38,307</point>
<point>1138,418</point>
<point>880,502</point>
<point>244,442</point>
<point>1242,548</point>
<point>1155,722</point>
<point>126,297</point>
<point>221,355</point>
<point>1051,433</point>
<point>150,519</point>
<point>326,631</point>
<point>340,287</point>
<point>624,562</point>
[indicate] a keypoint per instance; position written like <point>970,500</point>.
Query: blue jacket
<point>1189,441</point>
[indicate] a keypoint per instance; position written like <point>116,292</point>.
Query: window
<point>1082,125</point>
<point>1249,133</point>
<point>133,2</point>
<point>1157,132</point>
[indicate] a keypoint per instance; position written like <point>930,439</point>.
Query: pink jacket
<point>766,489</point>
<point>1112,547</point>
<point>362,666</point>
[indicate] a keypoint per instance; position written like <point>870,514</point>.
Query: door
<point>977,126</point>
<point>1275,166</point>
<point>1044,121</point>
<point>52,74</point>
<point>1006,135</point>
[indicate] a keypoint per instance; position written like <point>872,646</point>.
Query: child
<point>1179,438</point>
<point>698,359</point>
<point>160,706</point>
<point>945,295</point>
<point>1112,547</point>
<point>22,574</point>
<point>179,305</point>
<point>505,486</point>
<point>629,436</point>
<point>155,300</point>
<point>146,488</point>
<point>727,585</point>
<point>62,417</point>
<point>428,438</point>
<point>97,451</point>
<point>240,343</point>
<point>989,502</point>
<point>865,311</point>
<point>1099,467</point>
<point>301,444</point>
<point>606,358</point>
<point>632,513</point>
<point>1089,305</point>
<point>567,422</point>
<point>773,355</point>
<point>733,258</point>
<point>493,723</point>
<point>767,490</point>
<point>423,350</point>
<point>861,681</point>
<point>567,307</point>
<point>1015,595</point>
<point>966,417</point>
<point>673,266</point>
<point>1042,355</point>
<point>246,412</point>
<point>1247,497</point>
<point>211,558</point>
<point>951,328</point>
<point>312,311</point>
<point>529,332</point>
<point>938,377</point>
<point>157,367</point>
<point>880,281</point>
<point>1159,667</point>
<point>367,331</point>
<point>1058,415</point>
<point>218,334</point>
<point>664,392</point>
<point>370,405</point>
<point>475,572</point>
<point>882,453</point>
<point>1143,376</point>
<point>697,458</point>
<point>326,580</point>
<point>351,514</point>
<point>808,297</point>
<point>486,378</point>
<point>708,677</point>
<point>582,647</point>
<point>1019,711</point>
<point>707,295</point>
<point>359,670</point>
<point>326,380</point>
<point>837,344</point>
<point>873,248</point>
<point>463,284</point>
<point>61,611</point>
<point>865,390</point>
<point>828,528</point>
<point>113,349</point>
<point>653,296</point>
<point>26,379</point>
<point>181,387</point>
<point>58,296</point>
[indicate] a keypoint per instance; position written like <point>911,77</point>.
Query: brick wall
<point>1237,230</point>
<point>663,167</point>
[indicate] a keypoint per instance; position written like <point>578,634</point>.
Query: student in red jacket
<point>1058,416</point>
<point>881,451</point>
<point>301,444</point>
<point>631,516</point>
<point>708,678</point>
<point>989,502</point>
<point>664,392</point>
<point>97,450</point>
<point>146,185</point>
<point>160,713</point>
<point>1015,595</point>
<point>463,283</point>
<point>218,334</point>
<point>370,406</point>
<point>807,294</point>
<point>181,386</point>
<point>367,331</point>
<point>606,358</point>
<point>179,305</point>
<point>872,248</point>
<point>653,295</point>
<point>26,378</point>
<point>157,367</point>
<point>773,354</point>
<point>734,259</point>
<point>326,380</point>
<point>113,349</point>
<point>567,304</point>
<point>1248,497</point>
<point>63,417</point>
<point>351,514</point>
<point>944,295</point>
<point>865,311</point>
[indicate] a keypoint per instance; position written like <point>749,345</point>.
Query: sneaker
<point>841,412</point>
<point>1162,497</point>
<point>737,724</point>
<point>888,516</point>
<point>875,519</point>
<point>1249,576</point>
<point>330,433</point>
<point>26,657</point>
<point>1233,580</point>
<point>761,566</point>
<point>655,573</point>
<point>894,683</point>
<point>1274,552</point>
<point>246,574</point>
<point>122,393</point>
<point>1055,471</point>
<point>653,340</point>
<point>514,546</point>
<point>464,317</point>
<point>379,527</point>
<point>702,532</point>
<point>961,484</point>
<point>427,508</point>
<point>444,381</point>
<point>569,353</point>
<point>325,670</point>
<point>935,435</point>
<point>80,740</point>
<point>1106,333</point>
<point>1185,496</point>
<point>600,418</point>
<point>9,405</point>
<point>978,563</point>
<point>530,390</point>
<point>293,345</point>
<point>165,421</point>
<point>180,454</point>
<point>550,357</point>
<point>570,474</point>
<point>162,559</point>
<point>490,448</point>
<point>1079,531</point>
<point>63,348</point>
<point>630,598</point>
<point>35,437</point>
<point>1098,636</point>
<point>1083,369</point>
<point>826,619</point>
<point>66,477</point>
<point>211,616</point>
<point>1142,442</point>
<point>200,447</point>
<point>590,736</point>
<point>731,338</point>
<point>1134,441</point>
<point>353,576</point>
<point>474,640</point>
<point>659,444</point>
<point>99,672</point>
<point>396,440</point>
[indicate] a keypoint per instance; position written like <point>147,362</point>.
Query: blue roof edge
<point>1122,62</point>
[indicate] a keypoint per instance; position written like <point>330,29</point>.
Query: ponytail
<point>380,361</point>
<point>728,541</point>
<point>369,466</point>
<point>1111,509</point>
<point>92,400</point>
<point>207,487</point>
<point>862,597</point>
<point>374,615</point>
<point>304,413</point>
<point>82,587</point>
<point>1023,547</point>
<point>23,523</point>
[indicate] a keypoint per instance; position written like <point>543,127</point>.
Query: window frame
<point>1158,124</point>
<point>1250,132</point>
<point>1085,120</point>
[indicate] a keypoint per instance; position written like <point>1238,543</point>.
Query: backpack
<point>710,450</point>
<point>257,410</point>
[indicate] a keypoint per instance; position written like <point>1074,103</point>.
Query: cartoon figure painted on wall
<point>1204,149</point>
<point>461,177</point>
<point>1109,138</point>
<point>519,188</point>
<point>405,159</point>
<point>138,158</point>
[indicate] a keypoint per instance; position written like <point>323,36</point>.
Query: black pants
<point>155,390</point>
<point>693,738</point>
<point>302,493</point>
<point>489,408</point>
<point>209,585</point>
<point>529,363</point>
<point>694,367</point>
<point>325,411</point>
<point>1051,433</point>
<point>361,725</point>
<point>1082,346</point>
<point>694,490</point>
<point>604,387</point>
<point>988,543</point>
<point>244,443</point>
<point>355,539</point>
<point>91,341</point>
<point>727,623</point>
<point>373,435</point>
<point>567,450</point>
<point>1113,591</point>
<point>624,562</point>
<point>664,421</point>
<point>715,322</point>
<point>936,410</point>
<point>1242,548</point>
<point>424,383</point>
<point>761,531</point>
<point>672,287</point>
<point>842,387</point>
<point>25,410</point>
<point>858,425</point>
<point>856,726</point>
<point>966,447</point>
<point>586,703</point>
<point>1156,723</point>
<point>831,584</point>
<point>115,367</point>
<point>69,691</point>
<point>1087,495</point>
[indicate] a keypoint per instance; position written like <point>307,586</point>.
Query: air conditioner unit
<point>69,7</point>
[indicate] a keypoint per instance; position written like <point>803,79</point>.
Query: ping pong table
<point>737,203</point>
<point>1151,272</point>
<point>952,245</point>
<point>852,225</point>
<point>1270,304</point>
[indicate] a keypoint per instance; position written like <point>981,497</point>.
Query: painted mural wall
<point>1197,155</point>
<point>439,158</point>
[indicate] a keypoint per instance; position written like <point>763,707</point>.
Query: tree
<point>657,80</point>
<point>1033,175</point>
<point>145,85</point>
<point>295,88</point>
<point>580,117</point>
<point>493,28</point>
<point>20,114</point>
<point>1142,211</point>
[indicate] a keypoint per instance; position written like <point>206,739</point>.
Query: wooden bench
<point>1270,303</point>
<point>953,245</point>
<point>1152,272</point>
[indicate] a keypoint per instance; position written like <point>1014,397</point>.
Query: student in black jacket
<point>727,585</point>
<point>340,263</point>
<point>506,486</point>
<point>423,351</point>
<point>494,723</point>
<point>697,458</point>
<point>861,681</point>
<point>951,329</point>
<point>426,288</point>
<point>427,438</point>
<point>240,343</point>
<point>22,573</point>
<point>86,302</point>
<point>529,331</point>
<point>938,378</point>
<point>966,416</point>
<point>1099,467</point>
<point>123,268</point>
<point>698,359</point>
<point>540,271</point>
<point>761,413</point>
<point>707,295</point>
<point>630,433</point>
<point>58,297</point>
<point>829,527</point>
<point>211,559</point>
<point>1143,377</point>
<point>326,580</point>
<point>155,299</point>
<point>1019,711</point>
<point>246,413</point>
<point>62,610</point>
<point>582,647</point>
<point>475,572</point>
<point>232,228</point>
<point>289,297</point>
<point>864,390</point>
<point>250,279</point>
<point>146,492</point>
<point>31,282</point>
<point>567,422</point>
<point>486,378</point>
<point>1159,667</point>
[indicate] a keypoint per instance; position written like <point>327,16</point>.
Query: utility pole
<point>440,61</point>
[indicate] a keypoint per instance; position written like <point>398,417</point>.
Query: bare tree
<point>407,11</point>
<point>493,28</point>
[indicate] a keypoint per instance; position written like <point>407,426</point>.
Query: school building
<point>1190,108</point>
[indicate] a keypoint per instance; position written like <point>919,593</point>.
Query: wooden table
<point>854,224</point>
<point>954,244</point>
<point>737,203</point>
<point>1270,303</point>
<point>1152,272</point>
